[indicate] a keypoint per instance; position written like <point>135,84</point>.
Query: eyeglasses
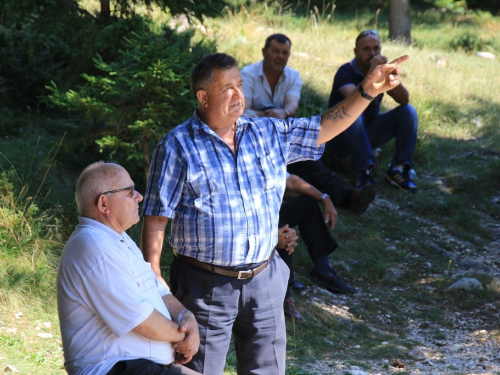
<point>128,188</point>
<point>368,32</point>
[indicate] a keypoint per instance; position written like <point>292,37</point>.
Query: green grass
<point>457,160</point>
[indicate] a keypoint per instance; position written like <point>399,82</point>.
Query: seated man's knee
<point>307,204</point>
<point>409,112</point>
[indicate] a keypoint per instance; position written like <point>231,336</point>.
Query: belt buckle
<point>241,274</point>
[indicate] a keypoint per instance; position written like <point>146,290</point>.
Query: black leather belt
<point>243,274</point>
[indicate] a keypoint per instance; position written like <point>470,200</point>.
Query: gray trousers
<point>252,310</point>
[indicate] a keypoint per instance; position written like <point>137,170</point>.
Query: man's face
<point>276,56</point>
<point>224,96</point>
<point>366,48</point>
<point>123,205</point>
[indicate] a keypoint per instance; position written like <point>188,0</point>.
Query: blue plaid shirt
<point>225,207</point>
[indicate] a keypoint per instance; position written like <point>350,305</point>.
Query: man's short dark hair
<point>202,73</point>
<point>280,38</point>
<point>362,34</point>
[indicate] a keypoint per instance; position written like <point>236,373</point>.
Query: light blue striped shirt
<point>225,207</point>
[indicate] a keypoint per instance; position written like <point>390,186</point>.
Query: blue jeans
<point>361,137</point>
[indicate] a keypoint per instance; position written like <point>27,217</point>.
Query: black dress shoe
<point>362,197</point>
<point>291,311</point>
<point>298,287</point>
<point>331,282</point>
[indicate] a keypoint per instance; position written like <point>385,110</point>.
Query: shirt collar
<point>94,224</point>
<point>197,124</point>
<point>355,66</point>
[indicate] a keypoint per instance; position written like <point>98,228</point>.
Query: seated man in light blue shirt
<point>271,88</point>
<point>116,317</point>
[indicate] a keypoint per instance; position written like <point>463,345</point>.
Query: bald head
<point>94,180</point>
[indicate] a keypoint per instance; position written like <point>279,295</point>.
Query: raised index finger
<point>400,60</point>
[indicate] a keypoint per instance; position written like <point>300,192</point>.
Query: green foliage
<point>455,6</point>
<point>39,41</point>
<point>471,42</point>
<point>29,240</point>
<point>198,9</point>
<point>138,97</point>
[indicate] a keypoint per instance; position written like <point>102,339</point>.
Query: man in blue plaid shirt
<point>220,178</point>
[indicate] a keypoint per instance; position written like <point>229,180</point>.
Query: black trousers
<point>318,175</point>
<point>304,212</point>
<point>146,367</point>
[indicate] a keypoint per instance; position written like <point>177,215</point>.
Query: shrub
<point>470,42</point>
<point>138,97</point>
<point>29,245</point>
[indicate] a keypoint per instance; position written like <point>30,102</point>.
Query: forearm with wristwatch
<point>323,197</point>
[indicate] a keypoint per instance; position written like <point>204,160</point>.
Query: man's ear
<point>103,204</point>
<point>202,97</point>
<point>263,51</point>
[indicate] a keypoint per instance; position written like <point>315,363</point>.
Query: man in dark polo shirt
<point>374,129</point>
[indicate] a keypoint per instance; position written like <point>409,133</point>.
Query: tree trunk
<point>146,161</point>
<point>399,21</point>
<point>105,11</point>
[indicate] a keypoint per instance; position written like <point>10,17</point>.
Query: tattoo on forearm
<point>337,114</point>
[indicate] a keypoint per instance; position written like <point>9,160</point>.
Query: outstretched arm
<point>379,79</point>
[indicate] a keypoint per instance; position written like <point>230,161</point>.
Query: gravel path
<point>470,342</point>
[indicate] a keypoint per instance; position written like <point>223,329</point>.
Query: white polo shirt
<point>104,290</point>
<point>257,89</point>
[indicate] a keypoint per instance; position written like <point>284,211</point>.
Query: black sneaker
<point>291,311</point>
<point>331,282</point>
<point>298,287</point>
<point>401,180</point>
<point>364,178</point>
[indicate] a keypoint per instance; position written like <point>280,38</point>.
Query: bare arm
<point>158,327</point>
<point>153,233</point>
<point>298,185</point>
<point>348,90</point>
<point>400,94</point>
<point>188,326</point>
<point>379,79</point>
<point>249,111</point>
<point>291,105</point>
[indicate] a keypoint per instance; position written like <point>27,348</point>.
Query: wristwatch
<point>364,94</point>
<point>324,196</point>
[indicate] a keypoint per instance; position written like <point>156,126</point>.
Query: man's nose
<point>139,196</point>
<point>238,92</point>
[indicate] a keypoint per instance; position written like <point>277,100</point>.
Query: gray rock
<point>10,368</point>
<point>394,273</point>
<point>417,353</point>
<point>355,372</point>
<point>467,283</point>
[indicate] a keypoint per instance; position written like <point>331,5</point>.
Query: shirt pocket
<point>268,173</point>
<point>204,189</point>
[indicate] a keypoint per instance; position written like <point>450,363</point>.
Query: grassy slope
<point>456,161</point>
<point>457,96</point>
